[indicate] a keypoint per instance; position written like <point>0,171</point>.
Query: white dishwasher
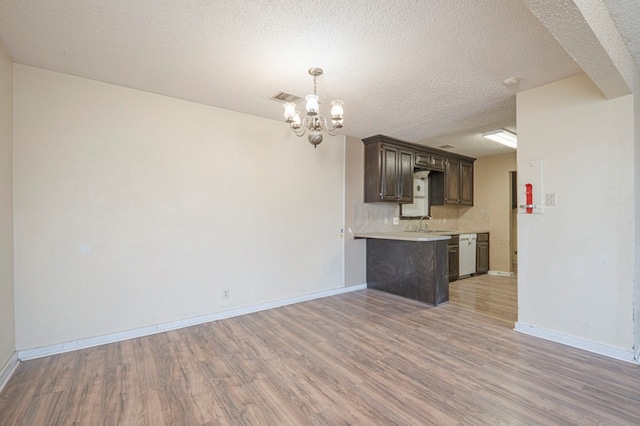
<point>468,254</point>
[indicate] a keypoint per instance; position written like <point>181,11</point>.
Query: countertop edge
<point>402,236</point>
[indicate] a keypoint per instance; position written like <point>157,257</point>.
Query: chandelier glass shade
<point>313,124</point>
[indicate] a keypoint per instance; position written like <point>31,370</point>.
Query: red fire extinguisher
<point>529,194</point>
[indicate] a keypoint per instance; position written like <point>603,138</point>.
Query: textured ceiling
<point>428,71</point>
<point>626,15</point>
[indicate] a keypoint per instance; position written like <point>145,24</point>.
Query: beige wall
<point>492,192</point>
<point>355,271</point>
<point>636,145</point>
<point>134,209</point>
<point>576,260</point>
<point>7,327</point>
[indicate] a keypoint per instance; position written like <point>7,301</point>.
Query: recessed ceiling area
<point>430,72</point>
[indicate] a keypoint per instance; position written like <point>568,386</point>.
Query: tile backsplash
<point>369,217</point>
<point>372,217</point>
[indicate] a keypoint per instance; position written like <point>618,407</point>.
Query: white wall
<point>636,131</point>
<point>576,261</point>
<point>7,326</point>
<point>492,192</point>
<point>133,209</point>
<point>355,250</point>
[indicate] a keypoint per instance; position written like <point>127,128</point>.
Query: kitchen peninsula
<point>409,264</point>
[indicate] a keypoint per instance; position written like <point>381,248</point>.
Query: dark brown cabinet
<point>466,183</point>
<point>388,173</point>
<point>482,254</point>
<point>397,174</point>
<point>413,269</point>
<point>458,182</point>
<point>437,163</point>
<point>423,159</point>
<point>390,164</point>
<point>452,182</point>
<point>428,161</point>
<point>454,258</point>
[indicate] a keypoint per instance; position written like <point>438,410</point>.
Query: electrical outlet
<point>396,220</point>
<point>225,293</point>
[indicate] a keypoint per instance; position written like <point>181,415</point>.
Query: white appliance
<point>420,206</point>
<point>467,250</point>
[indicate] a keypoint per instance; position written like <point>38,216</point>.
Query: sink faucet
<point>426,226</point>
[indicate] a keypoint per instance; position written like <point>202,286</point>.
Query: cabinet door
<point>423,159</point>
<point>389,173</point>
<point>452,181</point>
<point>437,163</point>
<point>466,183</point>
<point>405,176</point>
<point>482,254</point>
<point>454,262</point>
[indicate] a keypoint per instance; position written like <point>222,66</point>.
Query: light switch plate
<point>550,199</point>
<point>396,220</point>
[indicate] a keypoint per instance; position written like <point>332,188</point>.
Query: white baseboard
<point>501,273</point>
<point>576,342</point>
<point>9,368</point>
<point>28,354</point>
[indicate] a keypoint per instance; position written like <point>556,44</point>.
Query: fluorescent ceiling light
<point>503,136</point>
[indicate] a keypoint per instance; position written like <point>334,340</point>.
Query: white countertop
<point>404,236</point>
<point>461,231</point>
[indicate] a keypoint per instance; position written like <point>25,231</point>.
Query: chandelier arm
<point>304,125</point>
<point>333,130</point>
<point>300,132</point>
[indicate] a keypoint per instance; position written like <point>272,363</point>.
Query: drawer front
<point>483,237</point>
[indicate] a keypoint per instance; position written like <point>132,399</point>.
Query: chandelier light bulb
<point>289,112</point>
<point>312,104</point>
<point>336,112</point>
<point>295,121</point>
<point>337,108</point>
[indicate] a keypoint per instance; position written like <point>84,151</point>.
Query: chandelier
<point>314,123</point>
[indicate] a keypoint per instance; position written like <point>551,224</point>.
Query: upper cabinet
<point>458,182</point>
<point>466,183</point>
<point>429,161</point>
<point>389,172</point>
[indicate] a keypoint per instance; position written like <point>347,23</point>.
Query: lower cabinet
<point>454,258</point>
<point>413,269</point>
<point>482,254</point>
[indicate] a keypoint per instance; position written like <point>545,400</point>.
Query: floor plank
<point>365,357</point>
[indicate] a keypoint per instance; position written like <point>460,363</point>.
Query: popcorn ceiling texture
<point>588,32</point>
<point>414,70</point>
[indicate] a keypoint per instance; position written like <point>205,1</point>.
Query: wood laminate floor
<point>360,358</point>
